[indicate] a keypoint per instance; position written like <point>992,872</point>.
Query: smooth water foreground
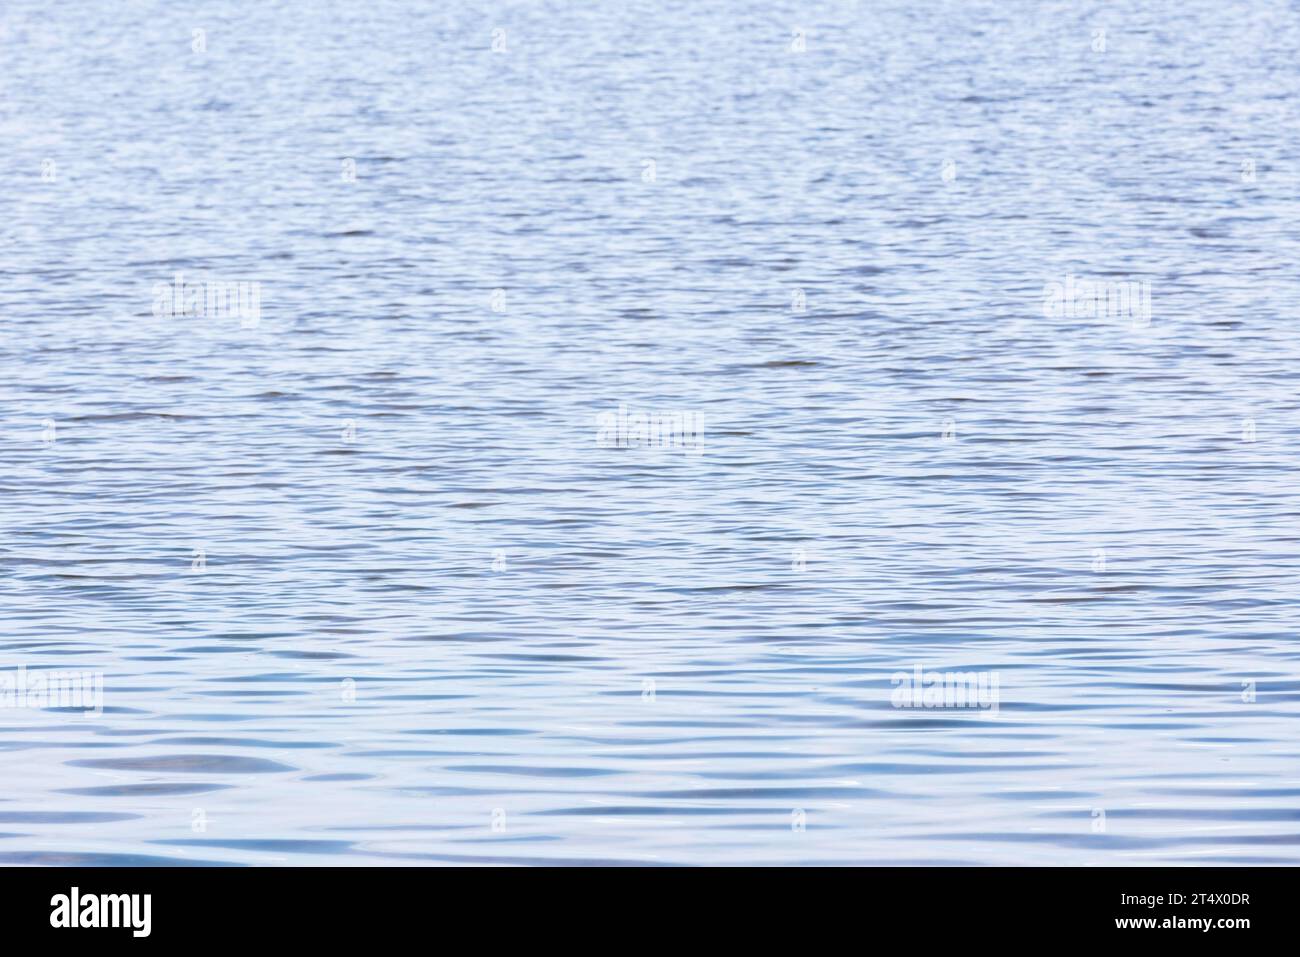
<point>363,586</point>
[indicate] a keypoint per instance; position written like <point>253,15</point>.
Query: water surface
<point>433,622</point>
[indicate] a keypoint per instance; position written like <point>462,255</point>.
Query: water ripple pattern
<point>649,433</point>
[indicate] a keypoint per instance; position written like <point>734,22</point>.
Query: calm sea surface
<point>364,585</point>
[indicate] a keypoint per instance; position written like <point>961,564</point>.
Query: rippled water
<point>362,584</point>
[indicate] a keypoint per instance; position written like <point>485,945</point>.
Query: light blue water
<point>650,673</point>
